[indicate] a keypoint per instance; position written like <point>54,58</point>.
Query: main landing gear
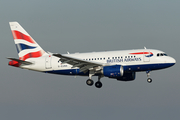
<point>89,82</point>
<point>149,80</point>
<point>98,84</point>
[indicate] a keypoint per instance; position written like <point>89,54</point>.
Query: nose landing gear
<point>149,80</point>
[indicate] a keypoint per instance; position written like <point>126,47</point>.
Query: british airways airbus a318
<point>121,65</point>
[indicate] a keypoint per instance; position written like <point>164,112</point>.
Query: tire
<point>89,82</point>
<point>149,80</point>
<point>98,84</point>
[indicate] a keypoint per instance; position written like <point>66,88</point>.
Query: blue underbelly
<point>129,68</point>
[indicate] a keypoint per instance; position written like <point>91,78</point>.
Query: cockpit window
<point>161,54</point>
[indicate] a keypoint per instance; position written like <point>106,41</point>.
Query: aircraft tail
<point>25,44</point>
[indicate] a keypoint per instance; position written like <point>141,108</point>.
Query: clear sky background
<point>85,26</point>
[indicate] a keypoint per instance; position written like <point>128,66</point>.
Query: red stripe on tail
<point>19,35</point>
<point>32,55</point>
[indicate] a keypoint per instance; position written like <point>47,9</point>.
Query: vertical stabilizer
<point>25,44</point>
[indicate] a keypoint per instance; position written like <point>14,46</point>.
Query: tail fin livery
<point>25,44</point>
<point>16,62</point>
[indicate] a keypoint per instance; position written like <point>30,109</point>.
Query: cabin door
<point>146,56</point>
<point>48,62</point>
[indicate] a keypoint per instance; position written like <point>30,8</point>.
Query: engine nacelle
<point>127,77</point>
<point>113,71</point>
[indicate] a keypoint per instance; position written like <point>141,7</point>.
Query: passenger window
<point>108,57</point>
<point>94,58</point>
<point>115,57</point>
<point>158,54</point>
<point>100,58</point>
<point>112,57</point>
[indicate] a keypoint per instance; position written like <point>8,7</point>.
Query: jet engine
<point>113,71</point>
<point>130,76</point>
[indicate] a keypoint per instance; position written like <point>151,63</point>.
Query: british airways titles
<point>123,60</point>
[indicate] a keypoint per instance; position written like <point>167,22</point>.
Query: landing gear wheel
<point>149,80</point>
<point>89,82</point>
<point>98,84</point>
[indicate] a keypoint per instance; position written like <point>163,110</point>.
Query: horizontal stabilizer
<point>21,61</point>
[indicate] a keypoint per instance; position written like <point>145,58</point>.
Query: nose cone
<point>172,61</point>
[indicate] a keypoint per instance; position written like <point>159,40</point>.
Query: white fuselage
<point>126,58</point>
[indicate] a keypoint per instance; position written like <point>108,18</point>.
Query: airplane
<point>120,65</point>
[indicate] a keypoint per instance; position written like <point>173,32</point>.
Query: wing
<point>82,64</point>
